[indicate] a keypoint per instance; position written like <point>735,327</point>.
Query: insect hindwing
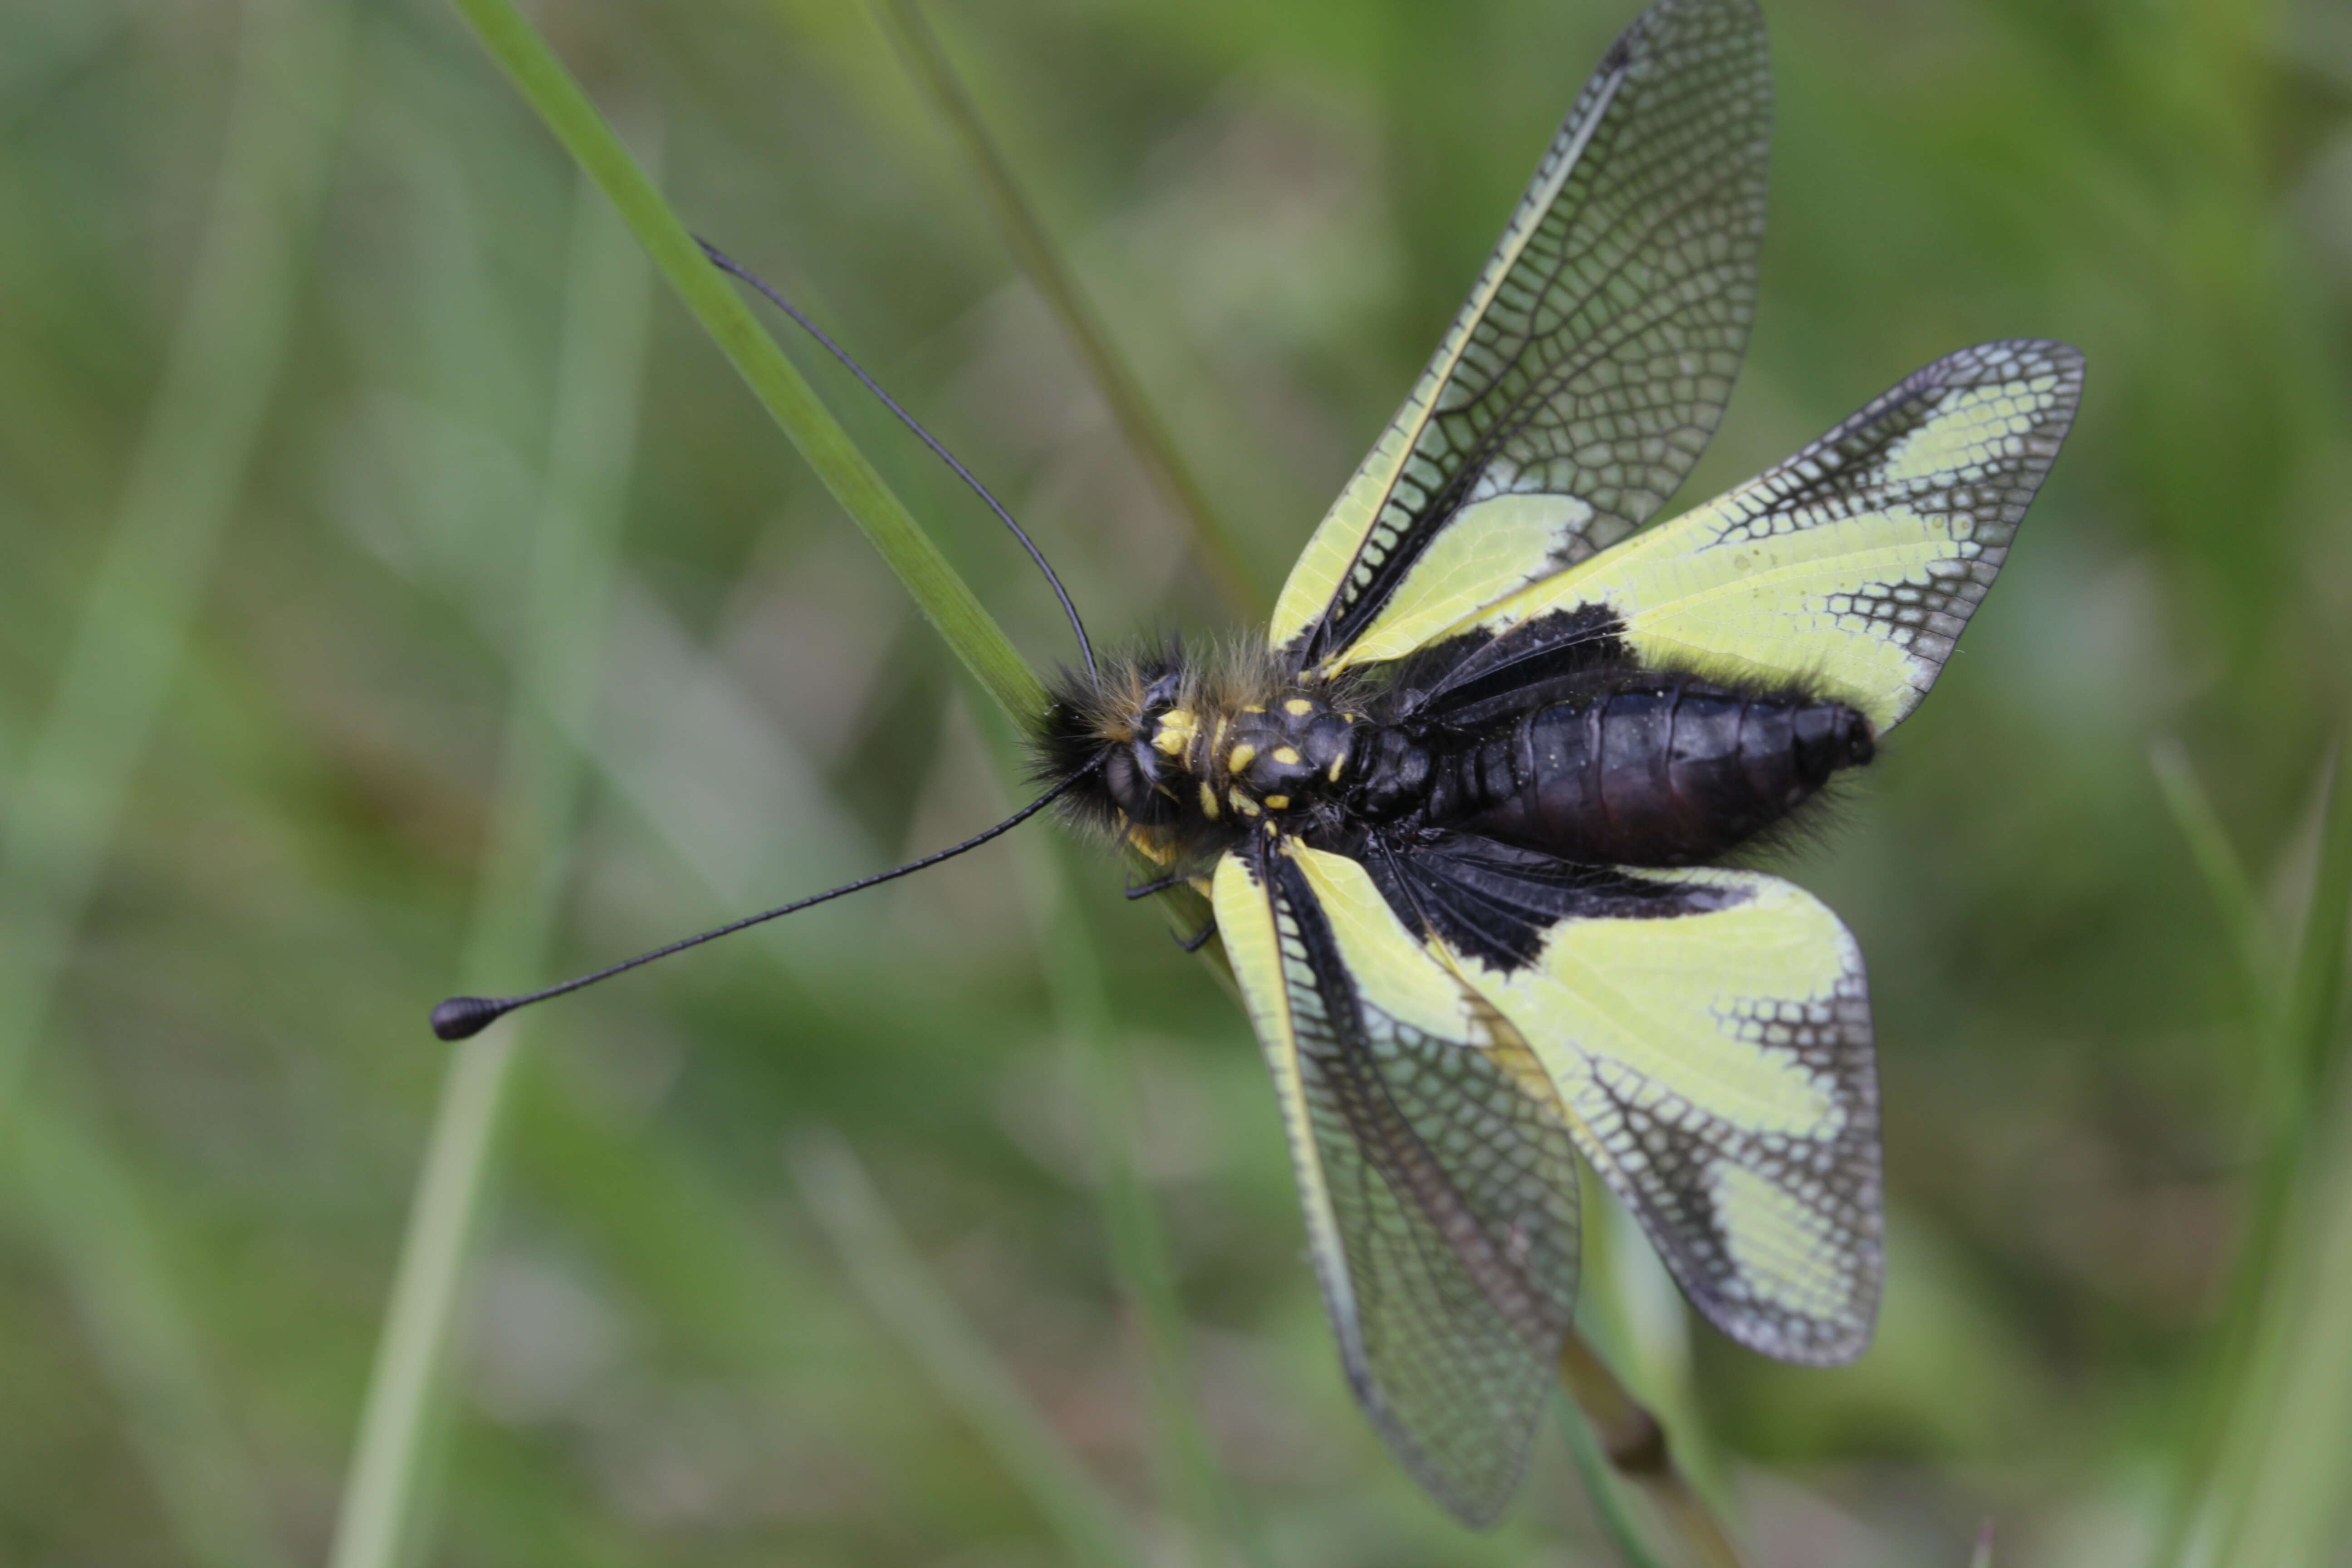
<point>1702,1037</point>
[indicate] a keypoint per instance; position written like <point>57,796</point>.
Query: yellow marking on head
<point>1277,803</point>
<point>1287,755</point>
<point>1241,802</point>
<point>1299,707</point>
<point>1208,803</point>
<point>1339,766</point>
<point>1177,728</point>
<point>1240,757</point>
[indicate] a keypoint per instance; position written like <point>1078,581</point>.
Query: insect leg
<point>1200,939</point>
<point>1145,889</point>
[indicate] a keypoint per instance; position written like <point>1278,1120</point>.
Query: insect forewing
<point>1588,368</point>
<point>1434,1164</point>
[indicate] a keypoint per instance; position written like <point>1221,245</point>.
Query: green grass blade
<point>1608,1495</point>
<point>87,1202</point>
<point>2250,937</point>
<point>184,482</point>
<point>571,576</point>
<point>936,590</point>
<point>2289,1398</point>
<point>1608,1424</point>
<point>2226,1505</point>
<point>202,431</point>
<point>1139,1246</point>
<point>2282,1484</point>
<point>1034,252</point>
<point>929,1326</point>
<point>2315,993</point>
<point>2225,874</point>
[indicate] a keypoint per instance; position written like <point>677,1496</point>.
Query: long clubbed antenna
<point>728,264</point>
<point>461,1016</point>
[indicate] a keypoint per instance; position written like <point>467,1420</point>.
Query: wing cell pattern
<point>1710,1034</point>
<point>1854,564</point>
<point>1591,364</point>
<point>1434,1162</point>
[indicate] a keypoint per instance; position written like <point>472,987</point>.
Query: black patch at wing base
<point>1452,1183</point>
<point>1470,681</point>
<point>1498,904</point>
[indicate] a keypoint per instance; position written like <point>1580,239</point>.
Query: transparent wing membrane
<point>1591,364</point>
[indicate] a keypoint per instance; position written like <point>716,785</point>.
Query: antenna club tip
<point>462,1017</point>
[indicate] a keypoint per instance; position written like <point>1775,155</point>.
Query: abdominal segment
<point>1647,769</point>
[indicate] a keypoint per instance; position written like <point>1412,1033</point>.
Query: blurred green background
<point>402,595</point>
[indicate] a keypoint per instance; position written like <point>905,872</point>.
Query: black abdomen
<point>1656,770</point>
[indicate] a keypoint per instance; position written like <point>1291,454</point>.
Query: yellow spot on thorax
<point>1240,757</point>
<point>1178,727</point>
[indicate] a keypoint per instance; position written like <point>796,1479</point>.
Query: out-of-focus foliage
<point>1276,209</point>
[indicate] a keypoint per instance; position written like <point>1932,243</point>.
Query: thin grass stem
<point>2316,990</point>
<point>1607,1492</point>
<point>711,296</point>
<point>573,565</point>
<point>1635,1446</point>
<point>1034,252</point>
<point>929,1326</point>
<point>2225,874</point>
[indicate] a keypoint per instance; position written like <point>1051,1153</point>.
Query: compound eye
<point>1131,774</point>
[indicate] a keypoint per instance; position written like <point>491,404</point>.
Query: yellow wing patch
<point>1717,1070</point>
<point>1487,547</point>
<point>1852,565</point>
